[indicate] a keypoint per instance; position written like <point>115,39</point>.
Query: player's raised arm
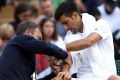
<point>84,43</point>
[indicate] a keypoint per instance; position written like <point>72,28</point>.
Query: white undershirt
<point>70,37</point>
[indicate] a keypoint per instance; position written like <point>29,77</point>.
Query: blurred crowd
<point>42,13</point>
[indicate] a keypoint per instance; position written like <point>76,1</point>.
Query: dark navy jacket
<point>18,58</point>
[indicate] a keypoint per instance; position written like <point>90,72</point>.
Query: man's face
<point>36,33</point>
<point>46,7</point>
<point>25,15</point>
<point>48,29</point>
<point>72,22</point>
<point>109,8</point>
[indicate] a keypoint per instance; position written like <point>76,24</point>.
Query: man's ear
<point>27,31</point>
<point>75,15</point>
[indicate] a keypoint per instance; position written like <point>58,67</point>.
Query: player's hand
<point>114,77</point>
<point>64,75</point>
<point>59,76</point>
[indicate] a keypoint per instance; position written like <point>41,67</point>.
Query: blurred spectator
<point>116,37</point>
<point>94,12</point>
<point>79,4</point>
<point>6,33</point>
<point>119,3</point>
<point>91,3</point>
<point>22,13</point>
<point>111,13</point>
<point>46,7</point>
<point>2,3</point>
<point>49,33</point>
<point>14,3</point>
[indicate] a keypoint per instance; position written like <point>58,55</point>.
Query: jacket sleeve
<point>39,46</point>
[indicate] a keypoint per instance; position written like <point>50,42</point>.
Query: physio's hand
<point>62,76</point>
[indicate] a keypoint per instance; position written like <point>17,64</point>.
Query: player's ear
<point>75,15</point>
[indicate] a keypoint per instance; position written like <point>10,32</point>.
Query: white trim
<point>44,73</point>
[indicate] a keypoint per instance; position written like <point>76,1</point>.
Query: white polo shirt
<point>98,60</point>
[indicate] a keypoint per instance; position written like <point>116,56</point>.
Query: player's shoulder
<point>87,16</point>
<point>103,22</point>
<point>103,25</point>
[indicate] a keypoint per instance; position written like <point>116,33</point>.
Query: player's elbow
<point>88,43</point>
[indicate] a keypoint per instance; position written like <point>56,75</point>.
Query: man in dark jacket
<point>18,59</point>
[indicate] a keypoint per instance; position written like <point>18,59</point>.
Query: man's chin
<point>74,31</point>
<point>108,12</point>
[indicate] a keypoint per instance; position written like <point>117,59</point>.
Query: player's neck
<point>81,27</point>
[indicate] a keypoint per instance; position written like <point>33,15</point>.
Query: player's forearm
<point>65,67</point>
<point>84,43</point>
<point>67,63</point>
<point>78,45</point>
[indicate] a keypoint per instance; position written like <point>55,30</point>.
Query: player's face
<point>70,23</point>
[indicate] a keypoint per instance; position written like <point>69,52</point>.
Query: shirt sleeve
<point>35,46</point>
<point>100,27</point>
<point>103,29</point>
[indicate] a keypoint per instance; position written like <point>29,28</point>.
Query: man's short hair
<point>66,8</point>
<point>23,26</point>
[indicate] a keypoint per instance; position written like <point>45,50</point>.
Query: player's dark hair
<point>66,8</point>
